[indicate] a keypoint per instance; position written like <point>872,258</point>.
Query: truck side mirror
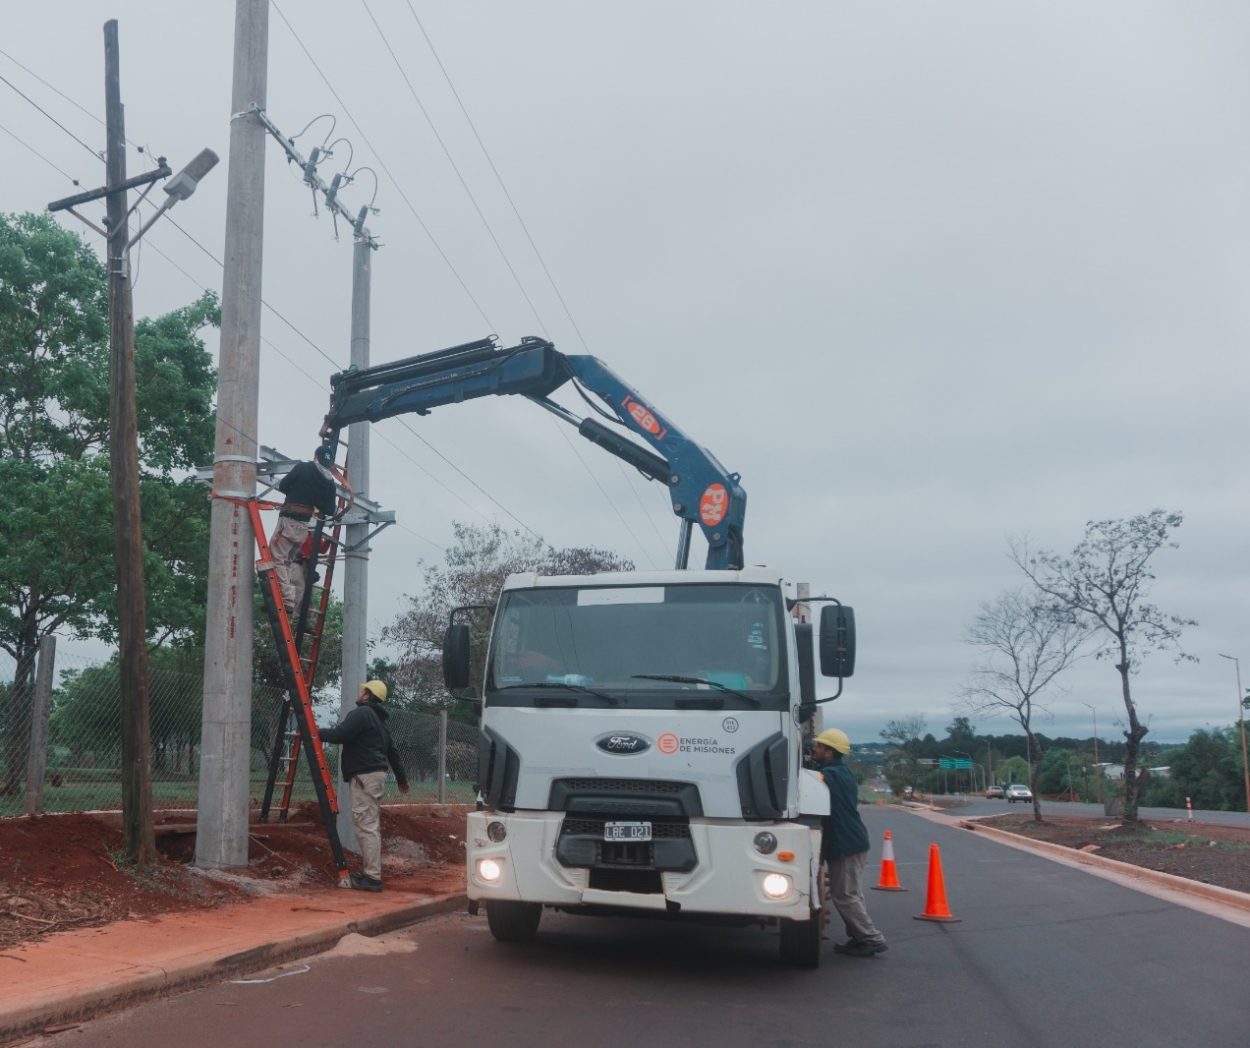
<point>456,656</point>
<point>837,640</point>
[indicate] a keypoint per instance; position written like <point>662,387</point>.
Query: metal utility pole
<point>1097,766</point>
<point>356,551</point>
<point>136,770</point>
<point>222,823</point>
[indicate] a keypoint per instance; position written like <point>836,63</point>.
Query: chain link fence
<point>78,742</point>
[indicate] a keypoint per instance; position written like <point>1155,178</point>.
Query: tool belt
<point>296,511</point>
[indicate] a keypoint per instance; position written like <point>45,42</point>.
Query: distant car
<point>995,792</point>
<point>1018,792</point>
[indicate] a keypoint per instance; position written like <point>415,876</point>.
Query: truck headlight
<point>777,885</point>
<point>496,831</point>
<point>490,871</point>
<point>765,842</point>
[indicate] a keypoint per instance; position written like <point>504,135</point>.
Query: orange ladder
<point>298,674</point>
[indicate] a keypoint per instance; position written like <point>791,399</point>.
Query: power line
<point>71,134</point>
<point>447,153</point>
<point>57,91</point>
<point>498,177</point>
<point>382,163</point>
<point>528,236</point>
<point>54,167</point>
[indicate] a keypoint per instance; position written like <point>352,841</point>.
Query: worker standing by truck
<point>845,846</point>
<point>367,750</point>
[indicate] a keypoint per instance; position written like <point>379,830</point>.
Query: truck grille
<point>622,786</point>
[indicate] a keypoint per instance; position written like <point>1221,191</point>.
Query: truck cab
<point>640,750</point>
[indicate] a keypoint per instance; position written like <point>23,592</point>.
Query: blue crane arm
<point>701,490</point>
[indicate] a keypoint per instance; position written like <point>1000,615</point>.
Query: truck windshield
<point>654,647</point>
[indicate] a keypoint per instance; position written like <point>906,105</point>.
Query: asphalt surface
<point>1043,955</point>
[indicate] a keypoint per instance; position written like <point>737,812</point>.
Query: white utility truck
<point>641,746</point>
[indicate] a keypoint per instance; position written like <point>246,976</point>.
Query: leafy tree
<point>86,711</point>
<point>1104,582</point>
<point>474,572</point>
<point>903,766</point>
<point>1206,769</point>
<point>1024,647</point>
<point>56,553</point>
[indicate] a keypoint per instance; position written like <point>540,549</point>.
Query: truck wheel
<point>513,921</point>
<point>800,942</point>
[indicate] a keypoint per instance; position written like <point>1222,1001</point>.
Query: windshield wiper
<point>702,702</point>
<point>679,679</point>
<point>551,685</point>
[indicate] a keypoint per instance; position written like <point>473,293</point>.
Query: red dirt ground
<point>1199,851</point>
<point>68,871</point>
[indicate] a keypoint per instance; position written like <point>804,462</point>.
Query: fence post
<point>442,756</point>
<point>37,759</point>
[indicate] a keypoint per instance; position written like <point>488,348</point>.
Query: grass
<point>105,794</point>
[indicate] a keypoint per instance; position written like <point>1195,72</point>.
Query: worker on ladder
<point>309,488</point>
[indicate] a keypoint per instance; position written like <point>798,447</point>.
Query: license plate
<point>627,831</point>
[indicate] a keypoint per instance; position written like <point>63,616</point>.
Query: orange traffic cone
<point>935,907</point>
<point>889,872</point>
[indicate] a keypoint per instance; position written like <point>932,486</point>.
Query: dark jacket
<point>845,832</point>
<point>366,742</point>
<point>308,487</point>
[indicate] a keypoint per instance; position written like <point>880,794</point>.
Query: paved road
<point>980,806</point>
<point>1044,955</point>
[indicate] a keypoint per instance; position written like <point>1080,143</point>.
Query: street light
<point>1097,766</point>
<point>1241,718</point>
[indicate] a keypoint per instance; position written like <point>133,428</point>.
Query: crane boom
<point>701,490</point>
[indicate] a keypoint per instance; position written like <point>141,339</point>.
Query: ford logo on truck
<point>620,743</point>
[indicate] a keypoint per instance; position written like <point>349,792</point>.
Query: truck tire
<point>800,942</point>
<point>513,921</point>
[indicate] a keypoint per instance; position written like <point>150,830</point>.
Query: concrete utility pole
<point>37,759</point>
<point>136,767</point>
<point>356,551</point>
<point>222,823</point>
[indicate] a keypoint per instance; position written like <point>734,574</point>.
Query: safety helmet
<point>324,455</point>
<point>378,690</point>
<point>835,739</point>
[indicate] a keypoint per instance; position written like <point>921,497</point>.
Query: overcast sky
<point>927,275</point>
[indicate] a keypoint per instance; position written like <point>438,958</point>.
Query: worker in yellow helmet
<point>844,846</point>
<point>367,750</point>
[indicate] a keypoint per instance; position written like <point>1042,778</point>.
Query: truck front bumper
<point>730,876</point>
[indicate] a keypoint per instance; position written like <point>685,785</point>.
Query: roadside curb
<point>1210,892</point>
<point>145,985</point>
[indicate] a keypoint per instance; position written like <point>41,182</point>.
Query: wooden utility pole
<point>124,459</point>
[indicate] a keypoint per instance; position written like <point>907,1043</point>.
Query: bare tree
<point>1025,645</point>
<point>1104,581</point>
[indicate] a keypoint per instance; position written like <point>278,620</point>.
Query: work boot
<point>364,883</point>
<point>859,948</point>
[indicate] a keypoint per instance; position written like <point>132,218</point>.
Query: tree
<point>56,554</point>
<point>86,711</point>
<point>1024,647</point>
<point>1104,583</point>
<point>474,572</point>
<point>903,765</point>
